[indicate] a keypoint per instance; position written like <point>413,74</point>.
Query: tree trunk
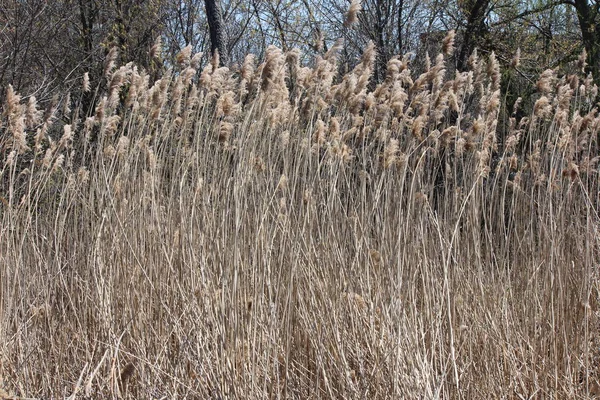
<point>216,29</point>
<point>588,15</point>
<point>400,28</point>
<point>475,29</point>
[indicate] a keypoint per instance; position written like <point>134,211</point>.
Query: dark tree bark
<point>400,27</point>
<point>474,31</point>
<point>216,29</point>
<point>382,49</point>
<point>588,14</point>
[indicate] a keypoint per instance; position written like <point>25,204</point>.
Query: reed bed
<point>281,231</point>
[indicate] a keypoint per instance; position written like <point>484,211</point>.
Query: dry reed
<point>221,235</point>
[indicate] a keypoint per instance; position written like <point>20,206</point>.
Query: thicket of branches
<point>47,46</point>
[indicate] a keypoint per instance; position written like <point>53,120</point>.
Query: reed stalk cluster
<point>281,231</point>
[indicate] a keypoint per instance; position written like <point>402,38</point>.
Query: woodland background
<point>46,46</point>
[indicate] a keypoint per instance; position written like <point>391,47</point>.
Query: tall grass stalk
<point>279,231</point>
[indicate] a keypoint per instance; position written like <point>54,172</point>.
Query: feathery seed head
<point>390,153</point>
<point>225,130</point>
<point>83,175</point>
<point>47,160</point>
<point>516,60</point>
<point>352,13</point>
<point>32,114</point>
<point>582,61</point>
<point>110,62</point>
<point>544,84</point>
<point>334,128</point>
<point>247,67</point>
<point>151,158</point>
<point>493,71</point>
<point>16,120</point>
<point>368,56</point>
<point>226,104</point>
<point>406,60</point>
<point>195,61</point>
<point>156,49</point>
<point>112,123</point>
<point>542,107</point>
<point>205,80</point>
<point>86,82</point>
<point>478,126</point>
<point>58,163</point>
<point>122,145</point>
<point>516,105</point>
<point>67,136</point>
<point>370,101</point>
<point>572,170</point>
<point>573,81</point>
<point>513,163</point>
<point>284,139</point>
<point>272,67</point>
<point>459,146</point>
<point>493,103</point>
<point>100,108</point>
<point>483,168</point>
<point>10,159</point>
<point>417,127</point>
<point>393,68</point>
<point>453,101</point>
<point>292,58</point>
<point>512,141</point>
<point>187,75</point>
<point>183,58</point>
<point>473,61</point>
<point>12,101</point>
<point>319,133</point>
<point>448,43</point>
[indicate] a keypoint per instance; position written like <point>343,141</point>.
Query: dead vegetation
<point>280,232</point>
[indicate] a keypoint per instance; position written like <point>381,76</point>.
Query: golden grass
<point>281,232</point>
